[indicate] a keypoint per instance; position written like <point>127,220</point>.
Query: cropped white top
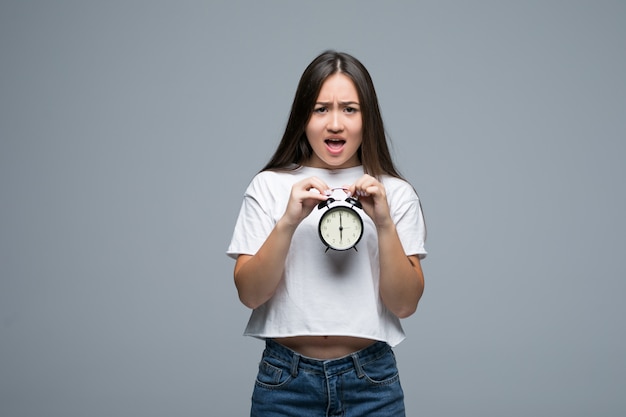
<point>325,293</point>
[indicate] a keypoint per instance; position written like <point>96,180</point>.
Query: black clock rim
<point>319,227</point>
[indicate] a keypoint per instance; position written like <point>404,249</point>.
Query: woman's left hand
<point>372,195</point>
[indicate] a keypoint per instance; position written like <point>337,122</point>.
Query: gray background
<point>129,131</point>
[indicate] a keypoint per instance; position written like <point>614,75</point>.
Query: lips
<point>334,145</point>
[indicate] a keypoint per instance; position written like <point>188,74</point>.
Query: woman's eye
<point>320,109</point>
<point>350,110</point>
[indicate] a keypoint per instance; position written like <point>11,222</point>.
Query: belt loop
<point>294,364</point>
<point>357,365</point>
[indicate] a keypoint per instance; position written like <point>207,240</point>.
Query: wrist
<point>385,224</point>
<point>285,225</point>
<point>386,228</point>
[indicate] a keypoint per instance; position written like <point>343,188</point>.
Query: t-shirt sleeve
<point>253,224</point>
<point>410,224</point>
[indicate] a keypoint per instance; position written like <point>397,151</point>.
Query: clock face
<point>340,228</point>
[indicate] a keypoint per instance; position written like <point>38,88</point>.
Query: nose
<point>334,123</point>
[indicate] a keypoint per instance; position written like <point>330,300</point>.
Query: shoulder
<point>270,181</point>
<point>269,177</point>
<point>398,188</point>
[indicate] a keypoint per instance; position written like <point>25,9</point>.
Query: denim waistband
<point>327,366</point>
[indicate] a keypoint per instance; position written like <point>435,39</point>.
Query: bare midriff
<point>325,347</point>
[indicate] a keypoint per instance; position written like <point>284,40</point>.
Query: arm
<point>401,277</point>
<point>257,276</point>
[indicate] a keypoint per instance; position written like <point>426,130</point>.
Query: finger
<point>312,184</point>
<point>367,186</point>
<point>357,189</point>
<point>319,185</point>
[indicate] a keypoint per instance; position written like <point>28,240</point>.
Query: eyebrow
<point>343,103</point>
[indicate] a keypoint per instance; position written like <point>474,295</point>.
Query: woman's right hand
<point>257,276</point>
<point>305,195</point>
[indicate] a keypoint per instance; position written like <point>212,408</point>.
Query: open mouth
<point>335,144</point>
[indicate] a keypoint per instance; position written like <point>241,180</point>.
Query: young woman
<point>329,317</point>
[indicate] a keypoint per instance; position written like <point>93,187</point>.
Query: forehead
<point>338,86</point>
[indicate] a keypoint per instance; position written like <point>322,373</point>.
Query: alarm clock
<point>340,226</point>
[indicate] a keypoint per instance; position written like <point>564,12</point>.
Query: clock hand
<point>340,228</point>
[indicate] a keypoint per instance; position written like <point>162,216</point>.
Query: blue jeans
<point>363,384</point>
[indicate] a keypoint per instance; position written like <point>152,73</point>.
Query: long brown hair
<point>294,147</point>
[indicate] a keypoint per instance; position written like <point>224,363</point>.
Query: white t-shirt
<point>325,293</point>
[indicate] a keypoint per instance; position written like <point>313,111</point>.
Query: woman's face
<point>334,130</point>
